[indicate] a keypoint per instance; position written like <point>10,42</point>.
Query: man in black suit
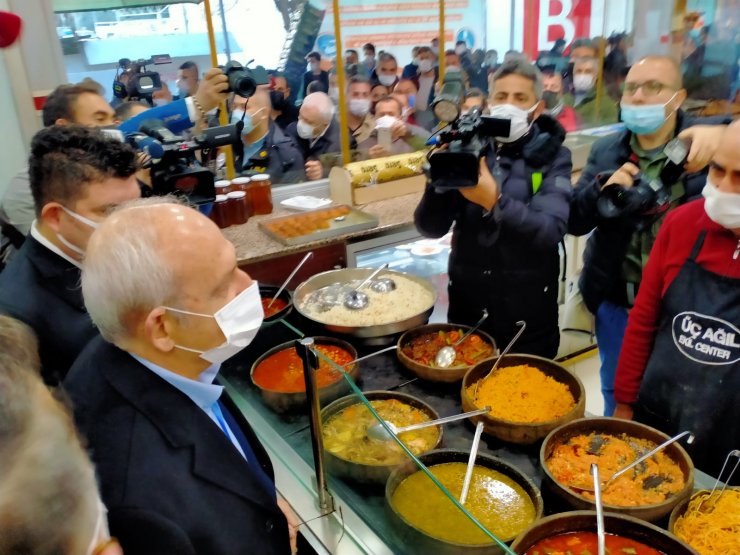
<point>181,471</point>
<point>77,175</point>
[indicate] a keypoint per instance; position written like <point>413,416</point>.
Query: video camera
<point>458,166</point>
<point>133,81</point>
<point>174,167</point>
<point>244,80</point>
<point>647,199</point>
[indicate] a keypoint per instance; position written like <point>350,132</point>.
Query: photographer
<point>618,249</point>
<point>507,228</point>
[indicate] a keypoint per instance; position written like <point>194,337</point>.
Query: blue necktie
<point>228,423</point>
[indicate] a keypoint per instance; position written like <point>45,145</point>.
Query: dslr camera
<point>647,199</point>
<point>244,80</point>
<point>135,82</point>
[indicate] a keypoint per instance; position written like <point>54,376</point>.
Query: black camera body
<point>178,171</point>
<point>140,83</point>
<point>243,80</point>
<point>458,165</point>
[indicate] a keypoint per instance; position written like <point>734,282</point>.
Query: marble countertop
<point>252,245</point>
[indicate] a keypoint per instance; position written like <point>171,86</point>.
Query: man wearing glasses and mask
<point>636,161</point>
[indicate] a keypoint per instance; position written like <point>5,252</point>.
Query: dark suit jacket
<point>43,290</point>
<point>280,158</point>
<point>173,483</point>
<point>329,143</point>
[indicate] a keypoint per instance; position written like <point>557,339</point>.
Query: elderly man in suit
<point>181,471</point>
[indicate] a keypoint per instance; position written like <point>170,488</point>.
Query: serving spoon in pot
<point>447,354</point>
<point>377,431</point>
<point>309,254</point>
<point>522,326</point>
<point>356,299</point>
<point>600,532</point>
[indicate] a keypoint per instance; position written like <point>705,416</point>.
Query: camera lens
<point>240,80</point>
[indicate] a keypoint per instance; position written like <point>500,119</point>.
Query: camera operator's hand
<point>313,170</point>
<point>624,176</point>
<point>486,193</point>
<point>212,89</point>
<point>705,140</point>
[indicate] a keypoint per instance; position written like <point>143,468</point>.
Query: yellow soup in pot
<point>496,500</point>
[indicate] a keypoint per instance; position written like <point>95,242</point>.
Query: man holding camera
<point>624,192</point>
<point>507,227</point>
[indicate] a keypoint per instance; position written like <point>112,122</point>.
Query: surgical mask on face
<point>305,130</point>
<point>369,60</point>
<point>519,118</point>
<point>645,118</point>
<point>239,320</point>
<point>460,50</point>
<point>722,208</point>
<point>426,66</point>
<point>415,61</point>
<point>553,102</point>
<point>246,118</point>
<point>160,101</point>
<point>359,106</point>
<point>583,82</point>
<point>313,66</point>
<point>452,69</point>
<point>334,94</point>
<point>387,80</point>
<point>435,49</point>
<point>83,220</point>
<point>490,62</point>
<point>385,122</point>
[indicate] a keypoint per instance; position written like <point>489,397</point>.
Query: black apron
<point>692,379</point>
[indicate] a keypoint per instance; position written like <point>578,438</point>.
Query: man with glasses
<point>77,176</point>
<point>618,248</point>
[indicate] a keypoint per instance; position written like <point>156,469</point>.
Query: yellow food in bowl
<point>345,433</point>
<point>523,394</point>
<point>711,526</point>
<point>496,500</point>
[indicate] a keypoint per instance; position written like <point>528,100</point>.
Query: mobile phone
<point>384,138</point>
<point>677,150</point>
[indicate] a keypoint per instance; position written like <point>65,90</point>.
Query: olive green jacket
<point>593,113</point>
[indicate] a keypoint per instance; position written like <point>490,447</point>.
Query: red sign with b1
<point>545,21</point>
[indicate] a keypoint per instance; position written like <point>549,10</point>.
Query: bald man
<point>180,469</point>
<point>618,249</point>
<point>680,365</point>
<point>317,134</point>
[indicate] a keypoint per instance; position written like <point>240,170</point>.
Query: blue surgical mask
<point>644,119</point>
<point>241,115</point>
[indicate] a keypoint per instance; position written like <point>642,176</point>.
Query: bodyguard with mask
<point>284,111</point>
<point>680,363</point>
<point>555,100</point>
<point>507,228</point>
<point>618,248</point>
<point>77,175</point>
<point>180,468</point>
<point>592,103</point>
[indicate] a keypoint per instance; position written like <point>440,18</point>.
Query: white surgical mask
<point>425,66</point>
<point>415,61</point>
<point>334,94</point>
<point>460,50</point>
<point>83,220</point>
<point>239,319</point>
<point>722,208</point>
<point>583,82</point>
<point>385,122</point>
<point>519,118</point>
<point>452,69</point>
<point>160,101</point>
<point>101,533</point>
<point>387,80</point>
<point>305,130</point>
<point>359,106</point>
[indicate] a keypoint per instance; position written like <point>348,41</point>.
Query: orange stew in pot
<point>276,307</point>
<point>423,348</point>
<point>585,543</point>
<point>283,371</point>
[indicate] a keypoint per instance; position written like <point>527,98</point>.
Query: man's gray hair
<point>522,67</point>
<point>125,271</point>
<point>322,102</point>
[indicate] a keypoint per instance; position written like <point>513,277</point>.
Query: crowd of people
<point>137,348</point>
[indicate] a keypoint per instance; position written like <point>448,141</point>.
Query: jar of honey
<point>259,192</point>
<point>237,207</point>
<point>223,187</point>
<point>220,214</point>
<point>240,183</point>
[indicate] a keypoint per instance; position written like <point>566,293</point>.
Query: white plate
<point>426,250</point>
<point>304,203</point>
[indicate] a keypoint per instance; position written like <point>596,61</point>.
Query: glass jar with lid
<point>220,213</point>
<point>259,192</point>
<point>222,186</point>
<point>237,207</point>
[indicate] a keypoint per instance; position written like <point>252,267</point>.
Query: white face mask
<point>385,122</point>
<point>160,101</point>
<point>387,80</point>
<point>334,94</point>
<point>520,123</point>
<point>460,50</point>
<point>83,220</point>
<point>359,106</point>
<point>452,69</point>
<point>583,82</point>
<point>305,130</point>
<point>101,533</point>
<point>239,319</point>
<point>722,208</point>
<point>426,66</point>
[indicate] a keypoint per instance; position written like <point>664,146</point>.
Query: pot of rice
<point>320,299</point>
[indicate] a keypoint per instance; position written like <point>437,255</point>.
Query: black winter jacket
<point>281,158</point>
<point>607,247</point>
<point>329,143</point>
<point>507,261</point>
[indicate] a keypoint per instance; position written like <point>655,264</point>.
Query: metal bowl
<point>519,432</point>
<point>280,401</point>
<point>434,373</point>
<point>368,473</point>
<point>585,521</point>
<point>425,543</point>
<point>617,426</point>
<point>351,274</point>
<point>268,292</point>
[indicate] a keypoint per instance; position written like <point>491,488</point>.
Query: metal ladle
<point>522,326</point>
<point>447,354</point>
<point>377,431</point>
<point>383,285</point>
<point>356,299</point>
<point>600,532</point>
<point>292,274</point>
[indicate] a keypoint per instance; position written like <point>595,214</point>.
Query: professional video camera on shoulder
<point>467,138</point>
<point>135,82</point>
<point>174,166</point>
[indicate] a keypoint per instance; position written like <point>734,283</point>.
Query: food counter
<point>360,523</point>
